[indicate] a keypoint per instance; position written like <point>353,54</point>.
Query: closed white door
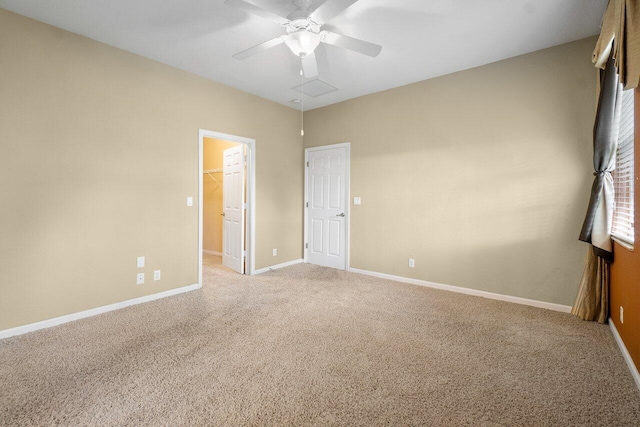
<point>233,209</point>
<point>326,211</point>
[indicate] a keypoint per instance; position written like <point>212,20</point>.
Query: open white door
<point>327,178</point>
<point>233,209</point>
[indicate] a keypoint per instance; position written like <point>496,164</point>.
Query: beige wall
<point>482,176</point>
<point>99,151</point>
<point>212,150</point>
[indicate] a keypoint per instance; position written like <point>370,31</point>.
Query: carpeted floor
<point>307,345</point>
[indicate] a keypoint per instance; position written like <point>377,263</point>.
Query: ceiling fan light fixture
<point>302,42</point>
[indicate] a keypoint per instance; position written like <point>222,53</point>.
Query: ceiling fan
<point>304,31</point>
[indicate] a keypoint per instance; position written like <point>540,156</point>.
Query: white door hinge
<point>306,246</point>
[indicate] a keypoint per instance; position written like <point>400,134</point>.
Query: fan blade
<point>259,48</point>
<point>310,65</point>
<point>329,9</point>
<point>350,43</point>
<point>258,11</point>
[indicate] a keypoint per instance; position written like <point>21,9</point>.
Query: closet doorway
<point>227,197</point>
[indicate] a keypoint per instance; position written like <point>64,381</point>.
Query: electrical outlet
<point>412,263</point>
<point>621,314</point>
<point>275,251</point>
<point>156,275</point>
<point>140,262</point>
<point>140,279</point>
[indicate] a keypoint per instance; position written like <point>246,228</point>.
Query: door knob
<point>342,215</point>
<point>222,214</point>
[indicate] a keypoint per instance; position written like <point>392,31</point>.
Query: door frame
<point>250,232</point>
<point>347,251</point>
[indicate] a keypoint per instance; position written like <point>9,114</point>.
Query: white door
<point>327,202</point>
<point>233,209</point>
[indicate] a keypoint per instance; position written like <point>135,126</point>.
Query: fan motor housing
<point>302,24</point>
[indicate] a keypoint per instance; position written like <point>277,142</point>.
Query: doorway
<point>326,220</point>
<point>213,232</point>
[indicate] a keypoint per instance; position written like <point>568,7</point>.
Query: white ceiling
<point>420,39</point>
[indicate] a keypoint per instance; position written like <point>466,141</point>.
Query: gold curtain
<point>592,302</point>
<point>621,32</point>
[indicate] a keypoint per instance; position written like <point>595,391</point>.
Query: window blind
<point>623,216</point>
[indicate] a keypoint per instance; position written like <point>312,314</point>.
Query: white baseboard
<point>275,267</point>
<point>19,330</point>
<point>474,292</point>
<point>625,353</point>
<point>212,252</point>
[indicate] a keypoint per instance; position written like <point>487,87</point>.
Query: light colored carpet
<point>307,345</point>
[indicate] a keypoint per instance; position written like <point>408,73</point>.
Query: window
<point>623,175</point>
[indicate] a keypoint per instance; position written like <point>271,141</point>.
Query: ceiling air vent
<point>315,88</point>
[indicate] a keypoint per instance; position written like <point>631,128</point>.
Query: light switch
<point>189,201</point>
<point>140,262</point>
<point>357,201</point>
